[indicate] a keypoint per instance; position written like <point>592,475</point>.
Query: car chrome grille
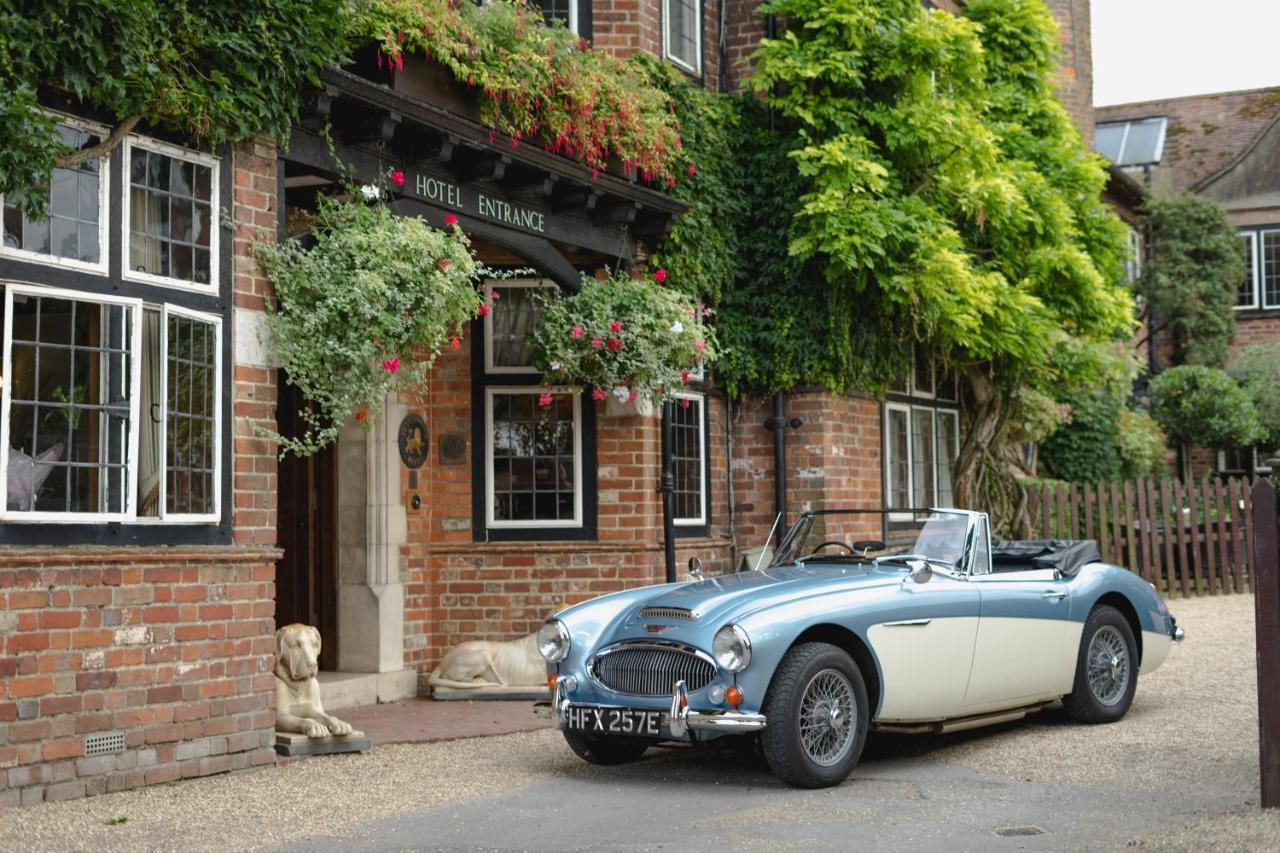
<point>669,613</point>
<point>651,670</point>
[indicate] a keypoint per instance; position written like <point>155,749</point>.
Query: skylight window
<point>1131,143</point>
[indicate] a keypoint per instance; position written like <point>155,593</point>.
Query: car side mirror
<point>920,571</point>
<point>695,568</point>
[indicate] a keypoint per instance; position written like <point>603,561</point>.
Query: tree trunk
<point>984,473</point>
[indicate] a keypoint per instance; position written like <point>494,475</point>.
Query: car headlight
<point>731,648</point>
<point>553,641</point>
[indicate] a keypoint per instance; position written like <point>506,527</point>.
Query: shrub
<point>1140,443</point>
<point>1257,369</point>
<point>1198,405</point>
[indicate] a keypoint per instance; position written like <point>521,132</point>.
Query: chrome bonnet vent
<point>651,669</point>
<point>673,613</point>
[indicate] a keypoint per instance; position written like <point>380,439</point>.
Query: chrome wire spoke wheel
<point>827,719</point>
<point>1108,665</point>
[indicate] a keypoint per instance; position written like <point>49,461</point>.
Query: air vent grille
<point>675,613</point>
<point>104,743</point>
<point>650,670</point>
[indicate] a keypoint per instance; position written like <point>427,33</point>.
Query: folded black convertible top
<point>1065,555</point>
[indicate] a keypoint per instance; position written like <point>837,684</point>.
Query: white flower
<point>370,192</point>
<point>622,393</point>
<point>555,366</point>
<point>677,327</point>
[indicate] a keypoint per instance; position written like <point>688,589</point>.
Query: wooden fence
<point>1187,539</point>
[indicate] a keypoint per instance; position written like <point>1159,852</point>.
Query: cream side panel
<point>925,667</point>
<point>1018,660</point>
<point>1155,648</point>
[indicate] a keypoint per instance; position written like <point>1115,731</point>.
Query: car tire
<point>605,750</point>
<point>1106,669</point>
<point>813,680</point>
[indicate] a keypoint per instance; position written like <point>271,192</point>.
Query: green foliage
<point>1085,448</point>
<point>1193,268</point>
<point>702,252</point>
<point>363,310</point>
<point>622,336</point>
<point>1141,445</point>
<point>535,81</point>
<point>1257,370</point>
<point>209,71</point>
<point>1203,406</point>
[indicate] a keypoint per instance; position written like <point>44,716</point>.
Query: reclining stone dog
<point>298,707</point>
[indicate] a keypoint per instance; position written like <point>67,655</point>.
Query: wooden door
<point>306,576</point>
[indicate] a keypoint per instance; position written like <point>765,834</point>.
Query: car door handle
<point>1054,594</point>
<point>908,623</point>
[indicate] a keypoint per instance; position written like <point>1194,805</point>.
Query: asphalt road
<point>1179,772</point>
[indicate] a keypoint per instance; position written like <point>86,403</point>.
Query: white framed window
<point>921,447</point>
<point>1136,142</point>
<point>533,458</point>
<point>1247,294</point>
<point>689,459</point>
<point>1269,268</point>
<point>564,11</point>
<point>1242,462</point>
<point>111,409</point>
<point>682,33</point>
<point>1133,262</point>
<point>513,311</point>
<point>171,216</point>
<point>73,232</point>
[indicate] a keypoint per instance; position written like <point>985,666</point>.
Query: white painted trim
<point>1261,286</point>
<point>1254,277</point>
<point>215,214</point>
<point>104,212</point>
<point>700,401</point>
<point>888,461</point>
<point>576,521</point>
<point>928,413</point>
<point>216,322</point>
<point>489,287</point>
<point>696,69</point>
<point>573,17</point>
<point>135,380</point>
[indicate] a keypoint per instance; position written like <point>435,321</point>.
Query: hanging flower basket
<point>364,309</point>
<point>634,340</point>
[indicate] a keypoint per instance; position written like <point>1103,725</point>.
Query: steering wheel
<point>866,546</point>
<point>831,542</point>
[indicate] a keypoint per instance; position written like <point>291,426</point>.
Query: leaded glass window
<point>534,458</point>
<point>688,459</point>
<point>1246,295</point>
<point>564,11</point>
<point>682,33</point>
<point>171,210</point>
<point>514,309</point>
<point>1270,264</point>
<point>191,439</point>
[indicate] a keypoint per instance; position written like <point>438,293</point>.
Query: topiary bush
<point>1203,406</point>
<point>1257,370</point>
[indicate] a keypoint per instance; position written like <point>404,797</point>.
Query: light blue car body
<point>850,605</point>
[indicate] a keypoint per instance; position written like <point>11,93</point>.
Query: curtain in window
<point>150,441</point>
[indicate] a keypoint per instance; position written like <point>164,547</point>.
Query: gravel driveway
<point>1179,772</point>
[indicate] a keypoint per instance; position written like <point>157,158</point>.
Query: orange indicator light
<point>733,696</point>
<point>551,682</point>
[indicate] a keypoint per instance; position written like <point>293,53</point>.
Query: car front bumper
<point>679,719</point>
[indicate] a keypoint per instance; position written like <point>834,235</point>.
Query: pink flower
<point>615,327</point>
<point>454,343</point>
<point>443,264</point>
<point>483,310</point>
<point>684,377</point>
<point>576,332</point>
<point>596,343</point>
<point>632,396</point>
<point>684,403</point>
<point>450,221</point>
<point>615,345</point>
<point>391,365</point>
<point>493,294</point>
<point>659,275</point>
<point>692,312</point>
<point>700,346</point>
<point>693,170</point>
<point>396,177</point>
<point>598,394</point>
<point>545,399</point>
<point>362,415</point>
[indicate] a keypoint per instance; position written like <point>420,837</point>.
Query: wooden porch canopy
<point>543,207</point>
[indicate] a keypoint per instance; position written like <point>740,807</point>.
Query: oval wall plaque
<point>412,439</point>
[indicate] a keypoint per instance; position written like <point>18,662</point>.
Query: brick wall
<point>626,27</point>
<point>172,647</point>
<point>1075,74</point>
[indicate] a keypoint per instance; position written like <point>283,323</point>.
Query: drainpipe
<point>779,424</point>
<point>667,485</point>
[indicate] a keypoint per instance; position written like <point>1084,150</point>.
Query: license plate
<point>618,721</point>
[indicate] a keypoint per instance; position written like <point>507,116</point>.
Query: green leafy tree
<point>1192,271</point>
<point>944,197</point>
<point>1203,406</point>
<point>1141,444</point>
<point>1257,370</point>
<point>209,71</point>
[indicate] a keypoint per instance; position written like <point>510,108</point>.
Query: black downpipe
<point>667,485</point>
<point>779,424</point>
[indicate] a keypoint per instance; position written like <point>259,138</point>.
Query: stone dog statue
<point>298,706</point>
<point>476,664</point>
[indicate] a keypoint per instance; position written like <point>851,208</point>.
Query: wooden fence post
<point>1266,601</point>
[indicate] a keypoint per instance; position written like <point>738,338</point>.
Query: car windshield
<point>936,535</point>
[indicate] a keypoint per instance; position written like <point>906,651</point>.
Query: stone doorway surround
<point>372,525</point>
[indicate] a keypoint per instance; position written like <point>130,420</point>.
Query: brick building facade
<point>138,600</point>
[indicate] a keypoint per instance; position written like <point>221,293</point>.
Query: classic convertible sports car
<point>906,622</point>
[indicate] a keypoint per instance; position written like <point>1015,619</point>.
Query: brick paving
<point>425,720</point>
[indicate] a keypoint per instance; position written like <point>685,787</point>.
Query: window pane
<point>982,551</point>
<point>1107,139</point>
<point>1271,269</point>
<point>948,450</point>
<point>682,32</point>
<point>70,229</point>
<point>514,313</point>
<point>687,459</point>
<point>1142,145</point>
<point>922,458</point>
<point>532,477</point>
<point>189,427</point>
<point>165,226</point>
<point>923,375</point>
<point>557,10</point>
<point>69,418</point>
<point>898,458</point>
<point>1245,295</point>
